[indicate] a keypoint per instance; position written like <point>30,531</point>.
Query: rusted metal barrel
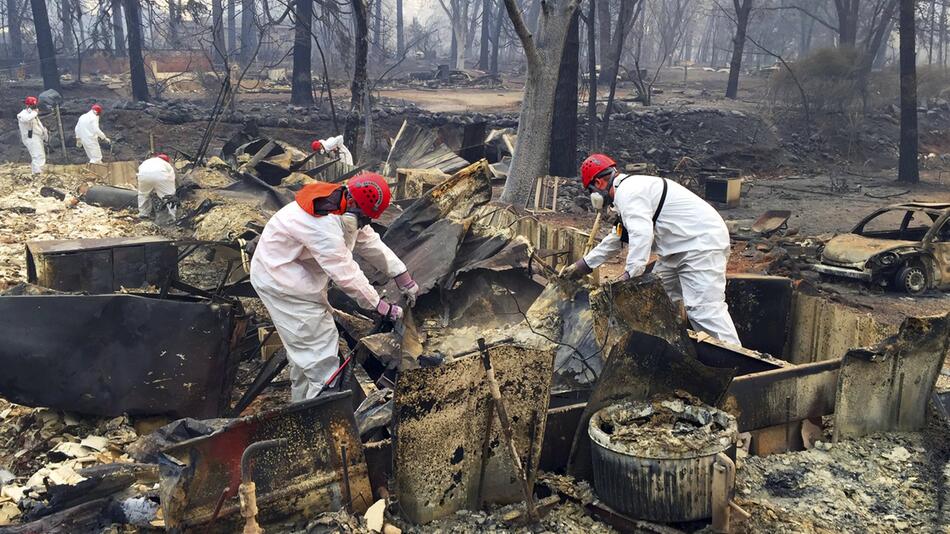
<point>639,475</point>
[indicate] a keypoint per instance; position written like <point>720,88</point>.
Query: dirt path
<point>484,100</point>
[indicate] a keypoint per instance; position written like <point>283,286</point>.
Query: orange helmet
<point>370,192</point>
<point>30,101</point>
<point>593,166</point>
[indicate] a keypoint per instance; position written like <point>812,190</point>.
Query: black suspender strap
<point>622,230</point>
<point>659,207</point>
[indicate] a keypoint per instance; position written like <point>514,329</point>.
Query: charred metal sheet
<point>485,298</point>
<point>101,265</point>
<point>300,480</point>
<point>430,255</point>
<point>771,221</point>
<point>761,308</point>
<point>559,433</point>
<point>887,387</point>
<point>108,196</point>
<point>579,359</point>
<point>114,354</point>
<point>641,366</point>
<point>639,304</point>
<point>455,198</point>
<point>427,235</point>
<point>780,396</point>
<point>716,353</point>
<point>449,453</point>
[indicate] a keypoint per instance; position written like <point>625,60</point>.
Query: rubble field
<point>407,439</point>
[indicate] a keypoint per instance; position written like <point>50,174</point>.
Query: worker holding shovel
<point>303,247</point>
<point>689,237</point>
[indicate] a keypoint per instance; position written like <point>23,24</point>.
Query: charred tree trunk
<point>133,23</point>
<point>847,11</point>
<point>743,8</point>
<point>219,51</point>
<point>543,52</point>
<point>484,61</point>
<point>378,26</point>
<point>358,87</point>
<point>592,76</point>
<point>942,51</point>
<point>44,44</point>
<point>563,160</point>
<point>301,89</point>
<point>66,20</point>
<point>496,37</point>
<point>400,35</point>
<point>603,33</point>
<point>173,23</point>
<point>16,34</point>
<point>232,26</point>
<point>118,34</point>
<point>907,167</point>
<point>248,33</point>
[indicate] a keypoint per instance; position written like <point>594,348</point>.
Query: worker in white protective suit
<point>334,146</point>
<point>689,236</point>
<point>309,243</point>
<point>156,174</point>
<point>88,134</point>
<point>33,134</point>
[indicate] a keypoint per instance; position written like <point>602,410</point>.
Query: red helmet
<point>316,146</point>
<point>370,192</point>
<point>594,165</point>
<point>97,108</point>
<point>30,101</point>
<point>164,157</point>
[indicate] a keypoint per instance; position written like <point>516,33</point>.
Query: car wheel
<point>912,279</point>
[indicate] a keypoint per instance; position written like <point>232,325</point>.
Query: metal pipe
<point>251,450</point>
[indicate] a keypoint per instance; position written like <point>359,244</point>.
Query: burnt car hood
<point>853,249</point>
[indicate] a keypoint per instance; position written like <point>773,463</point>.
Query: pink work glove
<point>408,287</point>
<point>389,311</point>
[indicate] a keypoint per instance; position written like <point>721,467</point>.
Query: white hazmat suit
<point>692,243</point>
<point>155,174</point>
<point>336,143</point>
<point>297,256</point>
<point>89,134</point>
<point>34,136</point>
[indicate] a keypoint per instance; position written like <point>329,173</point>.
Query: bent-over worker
<point>33,134</point>
<point>156,174</point>
<point>689,236</point>
<point>88,134</point>
<point>307,244</point>
<point>335,146</point>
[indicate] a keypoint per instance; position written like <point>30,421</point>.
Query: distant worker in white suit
<point>156,174</point>
<point>33,134</point>
<point>88,134</point>
<point>335,146</point>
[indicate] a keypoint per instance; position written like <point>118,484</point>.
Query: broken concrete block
<point>375,516</point>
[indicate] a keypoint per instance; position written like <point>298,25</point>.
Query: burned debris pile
<point>144,385</point>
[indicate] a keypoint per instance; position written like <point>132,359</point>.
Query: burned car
<point>905,246</point>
